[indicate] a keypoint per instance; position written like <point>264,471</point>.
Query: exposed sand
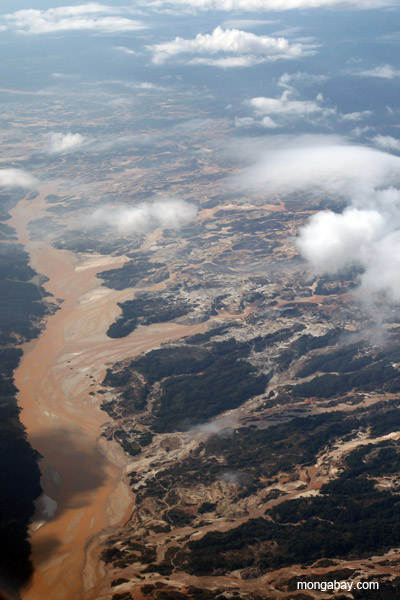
<point>81,472</point>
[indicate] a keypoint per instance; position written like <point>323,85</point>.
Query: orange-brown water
<point>82,472</point>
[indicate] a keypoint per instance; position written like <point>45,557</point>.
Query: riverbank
<point>57,381</point>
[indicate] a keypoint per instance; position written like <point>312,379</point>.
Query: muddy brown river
<point>57,381</point>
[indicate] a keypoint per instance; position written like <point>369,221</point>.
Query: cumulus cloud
<point>384,72</point>
<point>288,79</point>
<point>17,178</point>
<point>366,238</point>
<point>269,123</point>
<point>272,5</point>
<point>247,48</point>
<point>367,233</point>
<point>387,142</point>
<point>326,165</point>
<point>84,17</point>
<point>355,116</point>
<point>278,111</point>
<point>284,105</point>
<point>227,62</point>
<point>331,241</point>
<point>125,50</point>
<point>145,217</point>
<point>286,108</point>
<point>55,143</point>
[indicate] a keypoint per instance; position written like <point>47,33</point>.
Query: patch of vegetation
<point>145,311</point>
<point>178,517</point>
<point>252,455</point>
<point>305,344</point>
<point>132,393</point>
<point>385,421</point>
<point>162,591</point>
<point>131,552</point>
<point>266,452</point>
<point>350,519</point>
<point>8,201</point>
<point>202,338</point>
<point>21,312</point>
<point>262,342</point>
<point>119,581</point>
<point>133,441</point>
<point>206,507</point>
<point>7,232</point>
<point>197,382</point>
<point>388,590</point>
<point>343,360</point>
<point>378,376</point>
<point>220,382</point>
<point>84,240</point>
<point>21,302</point>
<point>327,286</point>
<point>133,272</point>
<point>171,361</point>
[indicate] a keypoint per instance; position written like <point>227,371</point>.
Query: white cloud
<point>145,217</point>
<point>147,85</point>
<point>355,116</point>
<point>367,238</point>
<point>269,123</point>
<point>288,31</point>
<point>322,165</point>
<point>384,72</point>
<point>285,108</point>
<point>244,121</point>
<point>223,426</point>
<point>387,142</point>
<point>278,111</point>
<point>17,178</point>
<point>331,241</point>
<point>288,79</point>
<point>246,23</point>
<point>64,76</point>
<point>247,48</point>
<point>130,85</point>
<point>230,61</point>
<point>55,143</point>
<point>367,233</point>
<point>84,17</point>
<point>358,131</point>
<point>121,102</point>
<point>272,5</point>
<point>124,50</point>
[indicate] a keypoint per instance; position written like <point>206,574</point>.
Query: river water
<point>57,381</point>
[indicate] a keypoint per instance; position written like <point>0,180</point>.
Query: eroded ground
<point>215,421</point>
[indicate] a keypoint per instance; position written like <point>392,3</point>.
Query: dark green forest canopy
<point>22,309</point>
<point>198,382</point>
<point>351,519</point>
